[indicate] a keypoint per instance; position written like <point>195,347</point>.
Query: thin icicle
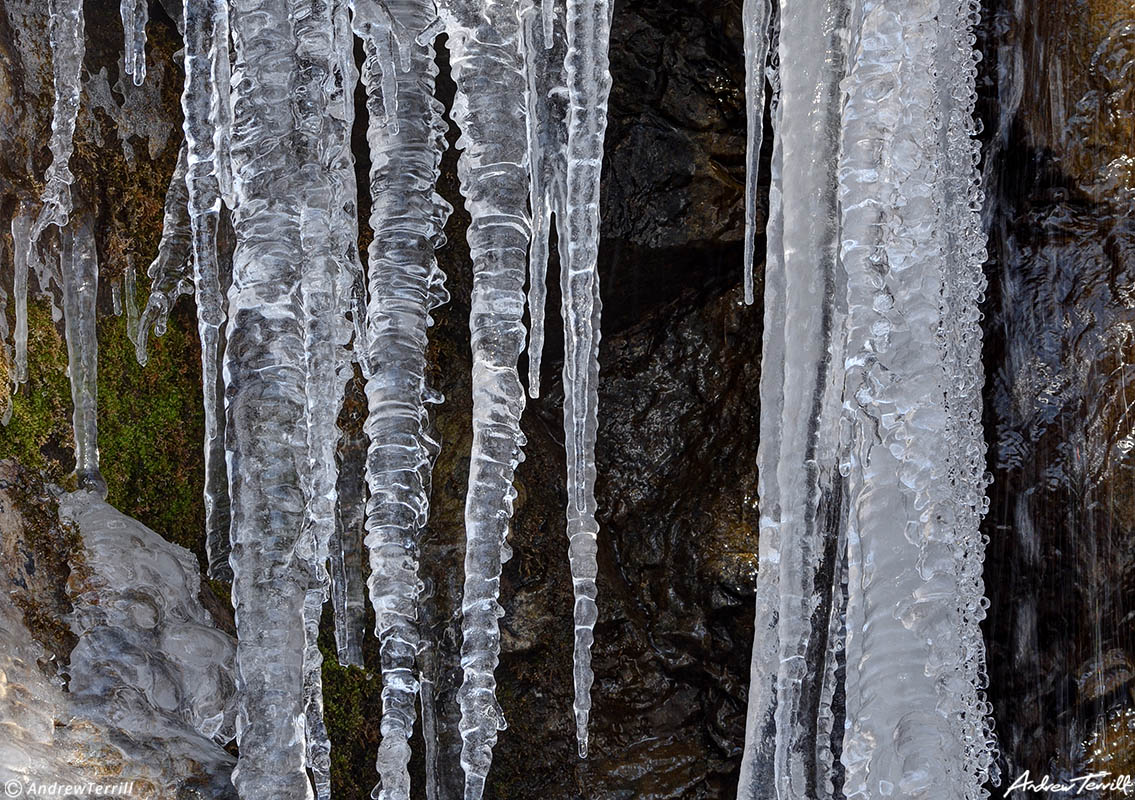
<point>199,104</point>
<point>755,22</point>
<point>544,45</point>
<point>67,50</point>
<point>22,254</point>
<point>406,284</point>
<point>116,296</point>
<point>130,291</point>
<point>589,84</point>
<point>348,587</point>
<point>135,15</point>
<point>483,41</point>
<point>80,270</point>
<point>171,273</point>
<point>266,437</point>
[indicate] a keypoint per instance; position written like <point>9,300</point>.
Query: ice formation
<point>868,664</point>
<point>870,557</point>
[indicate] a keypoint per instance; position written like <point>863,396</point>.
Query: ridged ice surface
<point>489,109</point>
<point>406,135</point>
<point>266,437</point>
<point>868,664</point>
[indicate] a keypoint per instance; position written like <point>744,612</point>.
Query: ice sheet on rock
<point>755,16</point>
<point>407,217</point>
<point>171,272</point>
<point>589,84</point>
<point>348,587</point>
<point>266,436</point>
<point>489,109</point>
<point>205,28</point>
<point>67,50</point>
<point>135,14</point>
<point>78,264</point>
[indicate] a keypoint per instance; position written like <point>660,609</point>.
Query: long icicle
<point>493,169</point>
<point>79,268</point>
<point>22,252</point>
<point>206,33</point>
<point>755,22</point>
<point>406,135</point>
<point>67,50</point>
<point>589,84</point>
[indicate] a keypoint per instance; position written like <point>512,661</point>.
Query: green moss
<point>150,421</point>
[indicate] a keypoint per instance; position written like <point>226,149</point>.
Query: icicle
<point>171,272</point>
<point>755,22</point>
<point>483,40</point>
<point>348,588</point>
<point>266,438</point>
<point>589,84</point>
<point>199,104</point>
<point>405,286</point>
<point>135,14</point>
<point>547,104</point>
<point>116,296</point>
<point>22,254</point>
<point>129,286</point>
<point>80,270</point>
<point>67,49</point>
<point>6,360</point>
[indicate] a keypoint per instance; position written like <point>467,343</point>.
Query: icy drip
<point>135,14</point>
<point>324,135</point>
<point>80,272</point>
<point>589,84</point>
<point>171,272</point>
<point>755,22</point>
<point>544,45</point>
<point>493,170</point>
<point>265,379</point>
<point>205,35</point>
<point>67,49</point>
<point>407,218</point>
<point>21,253</point>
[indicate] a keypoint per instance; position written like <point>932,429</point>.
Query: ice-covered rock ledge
<point>147,695</point>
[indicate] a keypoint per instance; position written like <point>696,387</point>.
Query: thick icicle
<point>589,84</point>
<point>755,22</point>
<point>171,272</point>
<point>489,108</point>
<point>544,45</point>
<point>67,49</point>
<point>348,587</point>
<point>80,270</point>
<point>265,403</point>
<point>913,249</point>
<point>135,14</point>
<point>405,285</point>
<point>22,253</point>
<point>800,393</point>
<point>206,28</point>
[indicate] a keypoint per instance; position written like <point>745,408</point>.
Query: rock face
<point>677,451</point>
